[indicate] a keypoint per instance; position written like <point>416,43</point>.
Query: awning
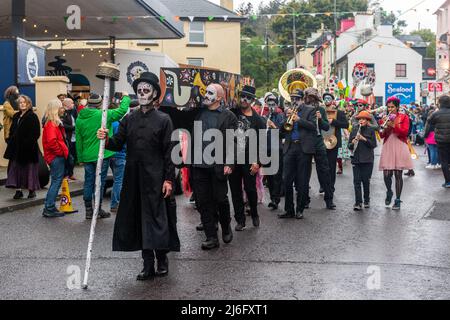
<point>101,19</point>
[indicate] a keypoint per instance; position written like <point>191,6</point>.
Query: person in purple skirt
<point>23,150</point>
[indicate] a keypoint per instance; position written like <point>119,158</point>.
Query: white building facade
<point>398,68</point>
<point>443,45</point>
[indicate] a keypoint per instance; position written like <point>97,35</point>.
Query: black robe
<point>145,220</point>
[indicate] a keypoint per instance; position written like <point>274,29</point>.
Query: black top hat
<point>151,78</point>
<point>327,94</point>
<point>249,90</point>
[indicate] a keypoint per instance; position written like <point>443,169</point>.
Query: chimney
<point>227,4</point>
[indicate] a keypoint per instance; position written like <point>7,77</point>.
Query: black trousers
<point>362,173</point>
<point>211,196</point>
<point>295,171</point>
<point>444,156</point>
<point>332,163</point>
<point>149,255</point>
<point>241,173</point>
<point>275,183</point>
<point>323,174</point>
<point>72,159</point>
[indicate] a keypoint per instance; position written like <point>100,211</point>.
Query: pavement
<point>8,204</point>
<point>375,254</point>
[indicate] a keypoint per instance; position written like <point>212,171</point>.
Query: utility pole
<point>294,35</point>
<point>335,39</point>
<point>267,60</point>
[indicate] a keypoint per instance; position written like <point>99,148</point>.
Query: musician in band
<point>395,155</point>
<point>338,121</point>
<point>275,120</point>
<point>362,144</point>
<point>298,150</point>
<point>313,99</point>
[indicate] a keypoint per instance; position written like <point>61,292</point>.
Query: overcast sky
<point>423,13</point>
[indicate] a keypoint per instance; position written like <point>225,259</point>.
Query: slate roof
<point>201,9</point>
<point>416,40</point>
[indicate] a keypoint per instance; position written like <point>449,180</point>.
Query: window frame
<point>199,59</point>
<point>398,70</point>
<point>197,32</point>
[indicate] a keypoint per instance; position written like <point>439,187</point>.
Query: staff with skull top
<point>108,72</point>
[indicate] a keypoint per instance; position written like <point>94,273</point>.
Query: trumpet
<point>289,125</point>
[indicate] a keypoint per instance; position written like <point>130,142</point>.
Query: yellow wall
<point>223,51</point>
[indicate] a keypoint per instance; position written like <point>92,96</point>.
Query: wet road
<point>375,254</point>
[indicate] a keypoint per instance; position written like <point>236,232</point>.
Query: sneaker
<point>357,207</point>
<point>430,166</point>
<point>438,166</point>
<point>446,185</point>
<point>200,227</point>
<point>396,205</point>
<point>240,227</point>
<point>388,200</point>
<point>18,195</point>
<point>367,205</point>
<point>89,213</point>
<point>52,213</point>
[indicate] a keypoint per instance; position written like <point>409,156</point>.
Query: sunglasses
<point>246,97</point>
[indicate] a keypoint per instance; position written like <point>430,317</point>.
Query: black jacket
<point>185,120</point>
<point>364,153</point>
<point>23,142</point>
<point>259,124</point>
<point>441,122</point>
<point>308,131</point>
<point>69,127</point>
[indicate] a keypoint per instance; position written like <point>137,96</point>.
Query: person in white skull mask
<point>144,220</point>
<point>210,175</point>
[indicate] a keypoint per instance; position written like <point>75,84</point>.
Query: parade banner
<point>30,62</point>
<point>185,87</point>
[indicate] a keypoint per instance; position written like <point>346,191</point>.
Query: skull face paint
<point>146,93</point>
<point>210,96</point>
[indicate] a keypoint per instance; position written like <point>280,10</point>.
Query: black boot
<point>148,273</point>
<point>89,210</point>
<point>162,263</point>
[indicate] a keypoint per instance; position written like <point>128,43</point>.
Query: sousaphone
<point>298,78</point>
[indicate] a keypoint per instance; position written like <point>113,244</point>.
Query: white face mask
<point>210,96</point>
<point>146,93</point>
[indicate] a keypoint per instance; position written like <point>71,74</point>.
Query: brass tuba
<point>292,80</point>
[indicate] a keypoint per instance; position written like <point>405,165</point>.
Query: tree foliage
<point>430,38</point>
<point>280,32</point>
<point>391,18</point>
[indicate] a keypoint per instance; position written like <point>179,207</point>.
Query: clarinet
<point>317,123</point>
<point>357,140</point>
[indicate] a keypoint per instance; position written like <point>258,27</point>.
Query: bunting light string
<point>116,18</point>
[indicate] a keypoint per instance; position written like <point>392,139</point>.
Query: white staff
<point>108,72</point>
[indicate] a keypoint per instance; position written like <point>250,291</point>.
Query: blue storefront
<point>21,61</point>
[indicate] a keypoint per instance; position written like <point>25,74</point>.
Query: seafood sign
<point>186,87</point>
<point>406,92</point>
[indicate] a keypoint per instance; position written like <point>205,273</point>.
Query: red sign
<point>431,72</point>
<point>438,86</point>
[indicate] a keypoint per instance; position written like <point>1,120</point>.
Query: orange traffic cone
<point>66,200</point>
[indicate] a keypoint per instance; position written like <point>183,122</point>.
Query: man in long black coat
<point>146,219</point>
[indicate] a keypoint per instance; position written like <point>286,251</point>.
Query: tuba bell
<point>289,82</point>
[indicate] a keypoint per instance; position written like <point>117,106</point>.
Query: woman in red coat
<point>395,155</point>
<point>55,154</point>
